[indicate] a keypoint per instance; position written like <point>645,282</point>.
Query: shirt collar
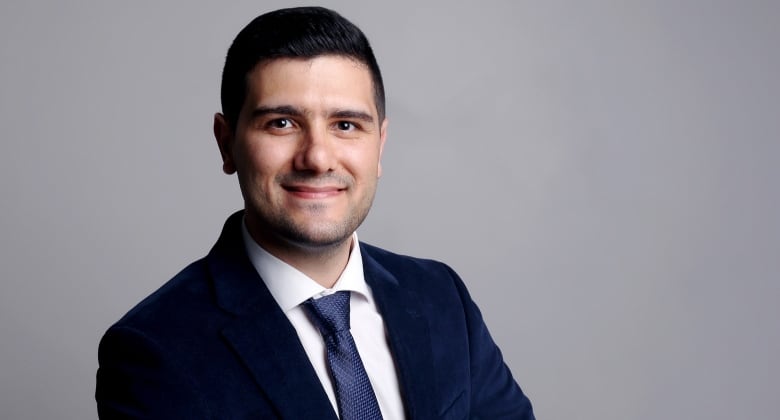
<point>290,287</point>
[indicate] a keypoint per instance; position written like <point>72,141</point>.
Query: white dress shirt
<point>290,288</point>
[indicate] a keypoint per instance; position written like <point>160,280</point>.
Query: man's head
<point>301,32</point>
<point>303,127</point>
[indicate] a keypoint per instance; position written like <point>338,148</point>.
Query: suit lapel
<point>271,350</point>
<point>261,334</point>
<point>407,331</point>
<point>268,345</point>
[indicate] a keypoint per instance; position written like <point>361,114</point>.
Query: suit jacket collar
<point>261,334</point>
<point>269,347</point>
<point>407,332</point>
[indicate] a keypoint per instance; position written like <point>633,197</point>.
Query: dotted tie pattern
<point>355,397</point>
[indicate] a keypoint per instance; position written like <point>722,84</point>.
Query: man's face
<point>307,149</point>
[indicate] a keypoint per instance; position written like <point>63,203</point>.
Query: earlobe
<point>224,136</point>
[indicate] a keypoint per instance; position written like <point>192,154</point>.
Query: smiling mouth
<point>309,191</point>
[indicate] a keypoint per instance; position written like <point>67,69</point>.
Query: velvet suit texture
<point>213,344</point>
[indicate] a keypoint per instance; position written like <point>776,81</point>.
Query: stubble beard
<point>275,227</point>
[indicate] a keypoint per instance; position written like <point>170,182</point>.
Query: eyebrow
<point>353,115</point>
<point>282,110</point>
<point>295,112</point>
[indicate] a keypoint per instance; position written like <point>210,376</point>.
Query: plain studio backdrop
<point>602,174</point>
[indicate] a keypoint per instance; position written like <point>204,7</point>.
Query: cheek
<point>367,174</point>
<point>265,160</point>
<point>374,164</point>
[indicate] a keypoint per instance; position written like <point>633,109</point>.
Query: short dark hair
<point>300,32</point>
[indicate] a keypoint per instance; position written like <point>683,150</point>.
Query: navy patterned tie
<point>355,397</point>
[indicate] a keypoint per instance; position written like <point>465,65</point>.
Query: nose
<point>315,153</point>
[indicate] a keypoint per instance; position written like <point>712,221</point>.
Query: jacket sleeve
<point>138,379</point>
<point>494,392</point>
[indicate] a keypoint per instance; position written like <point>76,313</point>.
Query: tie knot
<point>330,313</point>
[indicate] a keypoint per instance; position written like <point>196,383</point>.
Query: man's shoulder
<point>401,261</point>
<point>184,294</point>
<point>424,276</point>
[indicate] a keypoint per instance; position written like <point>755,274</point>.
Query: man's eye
<point>345,126</point>
<point>280,123</point>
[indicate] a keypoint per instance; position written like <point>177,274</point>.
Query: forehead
<point>328,80</point>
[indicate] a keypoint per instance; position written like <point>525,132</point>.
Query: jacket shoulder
<point>400,262</point>
<point>187,293</point>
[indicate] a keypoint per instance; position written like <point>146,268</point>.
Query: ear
<point>224,136</point>
<point>382,138</point>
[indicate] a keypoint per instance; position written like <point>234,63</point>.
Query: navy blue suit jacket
<point>213,344</point>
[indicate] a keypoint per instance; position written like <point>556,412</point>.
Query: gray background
<point>603,175</point>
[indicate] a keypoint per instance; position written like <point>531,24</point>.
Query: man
<point>289,316</point>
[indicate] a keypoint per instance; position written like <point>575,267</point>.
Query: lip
<point>312,191</point>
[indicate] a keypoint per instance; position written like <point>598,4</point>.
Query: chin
<point>320,235</point>
<point>319,242</point>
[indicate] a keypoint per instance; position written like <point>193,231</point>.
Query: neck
<point>323,264</point>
